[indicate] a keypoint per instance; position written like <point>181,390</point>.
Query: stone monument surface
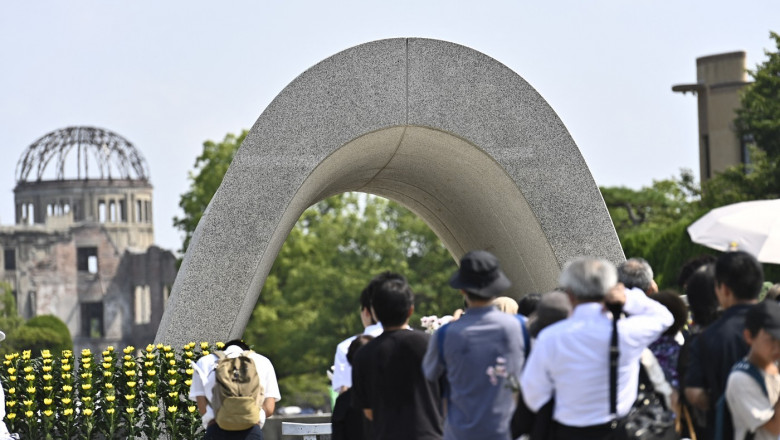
<point>450,133</point>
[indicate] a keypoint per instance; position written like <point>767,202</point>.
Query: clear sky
<point>169,75</point>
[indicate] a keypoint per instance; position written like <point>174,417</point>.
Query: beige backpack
<point>238,394</point>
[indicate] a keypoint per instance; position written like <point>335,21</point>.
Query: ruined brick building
<point>82,246</point>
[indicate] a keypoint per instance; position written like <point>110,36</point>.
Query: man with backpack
<point>480,355</point>
<point>754,383</point>
<point>235,390</point>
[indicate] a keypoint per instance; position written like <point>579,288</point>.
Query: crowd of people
<point>566,364</point>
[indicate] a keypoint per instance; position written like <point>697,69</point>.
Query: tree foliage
<point>759,115</point>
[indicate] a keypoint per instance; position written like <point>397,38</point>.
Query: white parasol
<point>753,227</point>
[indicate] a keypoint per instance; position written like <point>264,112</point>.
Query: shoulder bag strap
<point>526,335</point>
<point>614,354</point>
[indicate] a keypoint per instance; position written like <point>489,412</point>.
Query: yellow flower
<point>67,354</point>
<point>66,401</point>
<point>46,368</point>
<point>86,375</point>
<point>172,382</point>
<point>85,386</point>
<point>204,345</point>
<point>106,374</point>
<point>131,384</point>
<point>29,377</point>
<point>172,409</point>
<point>220,345</point>
<point>188,382</point>
<point>159,346</point>
<point>130,410</point>
<point>189,371</point>
<point>28,403</point>
<point>67,412</point>
<point>28,414</point>
<point>10,403</point>
<point>10,416</point>
<point>86,399</point>
<point>169,354</point>
<point>11,370</point>
<point>106,365</point>
<point>109,386</point>
<point>66,368</point>
<point>172,372</point>
<point>108,358</point>
<point>30,390</point>
<point>110,348</point>
<point>172,362</point>
<point>149,383</point>
<point>189,354</point>
<point>12,378</point>
<point>87,365</point>
<point>130,373</point>
<point>9,357</point>
<point>129,349</point>
<point>129,397</point>
<point>149,348</point>
<point>66,376</point>
<point>48,388</point>
<point>26,354</point>
<point>205,352</point>
<point>153,409</point>
<point>150,372</point>
<point>110,398</point>
<point>67,388</point>
<point>110,411</point>
<point>128,357</point>
<point>87,412</point>
<point>45,354</point>
<point>47,401</point>
<point>47,377</point>
<point>173,395</point>
<point>191,409</point>
<point>86,352</point>
<point>28,369</point>
<point>152,396</point>
<point>148,364</point>
<point>48,413</point>
<point>167,348</point>
<point>12,390</point>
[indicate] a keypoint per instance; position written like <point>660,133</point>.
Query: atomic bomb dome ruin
<point>82,246</point>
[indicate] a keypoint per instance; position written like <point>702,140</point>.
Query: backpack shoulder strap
<point>752,371</point>
<point>440,342</point>
<point>526,335</point>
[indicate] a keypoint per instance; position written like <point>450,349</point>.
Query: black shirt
<point>714,352</point>
<point>387,378</point>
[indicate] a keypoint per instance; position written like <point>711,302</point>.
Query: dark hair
<point>356,345</point>
<point>238,343</point>
<point>636,273</point>
<point>741,273</point>
<point>392,301</point>
<point>702,301</point>
<point>366,296</point>
<point>672,301</point>
<point>528,304</point>
<point>691,266</point>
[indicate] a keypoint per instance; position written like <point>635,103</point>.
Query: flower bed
<point>119,394</point>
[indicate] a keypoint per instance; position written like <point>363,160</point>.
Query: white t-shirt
<point>342,371</point>
<point>750,408</point>
<point>203,379</point>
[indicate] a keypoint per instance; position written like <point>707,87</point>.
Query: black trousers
<point>214,432</point>
<point>595,432</point>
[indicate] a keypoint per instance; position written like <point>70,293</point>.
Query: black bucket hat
<point>480,274</point>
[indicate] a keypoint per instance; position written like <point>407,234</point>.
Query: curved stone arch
<point>446,131</point>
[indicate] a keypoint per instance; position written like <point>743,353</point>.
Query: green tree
<point>210,168</point>
<point>759,115</point>
<point>9,318</point>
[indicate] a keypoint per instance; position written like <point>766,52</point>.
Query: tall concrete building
<point>82,246</point>
<point>719,79</point>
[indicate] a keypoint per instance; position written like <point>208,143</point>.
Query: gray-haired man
<point>570,358</point>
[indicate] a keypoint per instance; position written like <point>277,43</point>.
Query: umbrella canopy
<point>753,227</point>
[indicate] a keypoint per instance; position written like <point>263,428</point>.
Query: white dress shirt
<point>342,371</point>
<point>570,360</point>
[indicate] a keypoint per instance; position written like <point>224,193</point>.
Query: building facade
<point>719,80</point>
<point>82,246</point>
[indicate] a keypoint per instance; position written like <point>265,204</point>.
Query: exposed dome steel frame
<point>109,151</point>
